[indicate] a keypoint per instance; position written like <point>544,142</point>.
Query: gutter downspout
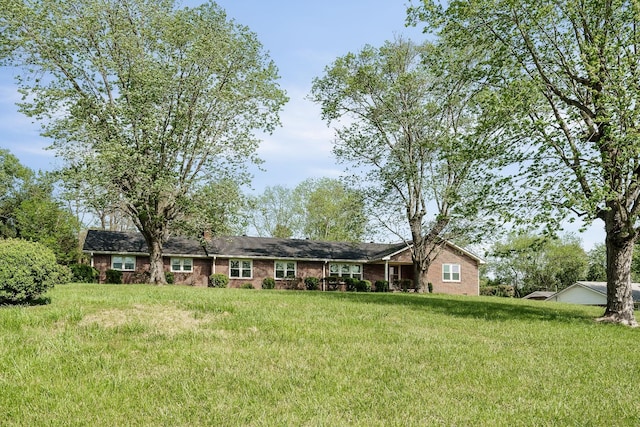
<point>324,275</point>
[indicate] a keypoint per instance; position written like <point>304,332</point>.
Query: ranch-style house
<point>251,259</point>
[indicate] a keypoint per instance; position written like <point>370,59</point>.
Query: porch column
<point>386,270</point>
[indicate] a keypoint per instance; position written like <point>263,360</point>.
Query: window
<point>451,272</point>
<point>182,265</point>
<point>240,268</point>
<point>345,270</point>
<point>123,263</point>
<point>285,269</point>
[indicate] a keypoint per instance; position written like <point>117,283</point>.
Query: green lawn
<point>144,355</point>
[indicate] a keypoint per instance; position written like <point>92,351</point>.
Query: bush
<point>405,285</point>
<point>381,286</point>
<point>351,283</point>
<point>169,277</point>
<point>218,281</point>
<point>246,286</point>
<point>506,291</point>
<point>84,273</point>
<point>292,283</point>
<point>268,283</point>
<point>114,277</point>
<point>27,270</point>
<point>312,283</point>
<point>363,286</point>
<point>430,287</point>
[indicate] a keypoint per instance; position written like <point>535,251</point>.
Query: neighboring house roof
<point>595,287</point>
<point>100,241</point>
<point>540,295</point>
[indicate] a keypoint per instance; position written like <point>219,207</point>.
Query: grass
<point>144,355</point>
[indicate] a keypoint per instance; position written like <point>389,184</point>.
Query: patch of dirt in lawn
<point>163,319</point>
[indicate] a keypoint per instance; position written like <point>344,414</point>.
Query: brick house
<point>250,259</point>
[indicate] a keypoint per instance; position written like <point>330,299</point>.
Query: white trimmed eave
<point>164,254</point>
<point>353,261</point>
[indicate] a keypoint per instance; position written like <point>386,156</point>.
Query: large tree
<point>332,210</point>
<point>149,100</point>
<point>406,119</point>
<point>568,72</point>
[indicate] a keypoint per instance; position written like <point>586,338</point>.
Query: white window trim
<point>351,273</point>
<point>451,272</point>
<point>124,257</point>
<point>240,261</point>
<point>181,260</point>
<point>275,270</point>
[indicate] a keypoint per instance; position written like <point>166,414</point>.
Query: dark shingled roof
<point>268,247</point>
<point>242,246</point>
<point>131,242</point>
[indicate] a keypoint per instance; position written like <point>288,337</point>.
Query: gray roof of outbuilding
<point>601,287</point>
<point>101,241</point>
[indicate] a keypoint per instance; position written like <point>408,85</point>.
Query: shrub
<point>84,273</point>
<point>27,270</point>
<point>268,283</point>
<point>351,283</point>
<point>363,286</point>
<point>381,286</point>
<point>332,283</point>
<point>246,286</point>
<point>169,277</point>
<point>292,283</point>
<point>506,291</point>
<point>405,285</point>
<point>114,277</point>
<point>430,287</point>
<point>312,283</point>
<point>218,280</point>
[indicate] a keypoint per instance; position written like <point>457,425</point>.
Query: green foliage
<point>430,287</point>
<point>412,132</point>
<point>84,273</point>
<point>405,285</point>
<point>363,286</point>
<point>27,270</point>
<point>312,283</point>
<point>498,291</point>
<point>350,284</point>
<point>268,283</point>
<point>246,286</point>
<point>169,277</point>
<point>381,285</point>
<point>559,75</point>
<point>114,277</point>
<point>29,210</point>
<point>317,209</point>
<point>218,280</point>
<point>535,263</point>
<point>332,211</point>
<point>292,283</point>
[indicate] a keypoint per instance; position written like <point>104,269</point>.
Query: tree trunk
<point>619,245</point>
<point>156,266</point>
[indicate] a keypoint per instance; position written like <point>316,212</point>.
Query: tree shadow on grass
<point>4,302</point>
<point>471,307</point>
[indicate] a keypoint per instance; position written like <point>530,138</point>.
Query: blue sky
<point>302,37</point>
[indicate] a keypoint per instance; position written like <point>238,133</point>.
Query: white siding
<point>580,295</point>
